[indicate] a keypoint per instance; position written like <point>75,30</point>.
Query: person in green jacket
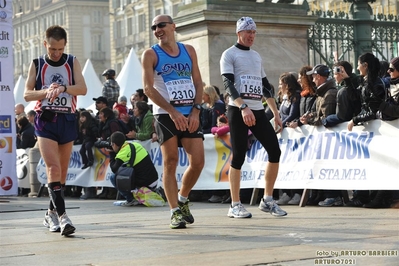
<point>144,121</point>
<point>145,174</point>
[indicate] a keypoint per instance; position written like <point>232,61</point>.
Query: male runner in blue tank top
<point>245,81</point>
<point>172,81</point>
<point>54,81</point>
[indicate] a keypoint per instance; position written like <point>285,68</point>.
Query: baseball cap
<point>245,23</point>
<point>101,99</point>
<point>322,70</point>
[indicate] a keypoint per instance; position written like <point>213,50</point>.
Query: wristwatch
<point>197,106</point>
<point>243,106</point>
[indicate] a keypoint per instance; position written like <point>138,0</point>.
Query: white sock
<point>173,210</point>
<point>181,198</point>
<point>267,198</point>
<point>235,203</point>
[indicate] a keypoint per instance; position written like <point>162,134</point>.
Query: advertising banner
<point>311,157</point>
<point>8,176</point>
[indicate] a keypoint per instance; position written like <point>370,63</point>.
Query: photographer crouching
<point>145,174</point>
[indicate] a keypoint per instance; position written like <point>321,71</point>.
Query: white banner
<point>312,157</point>
<point>8,176</point>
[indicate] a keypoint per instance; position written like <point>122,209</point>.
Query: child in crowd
<point>89,131</point>
<point>222,126</point>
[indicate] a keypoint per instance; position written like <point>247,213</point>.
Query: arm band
<point>228,81</point>
<point>267,89</point>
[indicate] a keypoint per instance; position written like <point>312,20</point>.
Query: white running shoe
<point>67,227</point>
<point>272,207</point>
<point>238,211</point>
<point>51,221</point>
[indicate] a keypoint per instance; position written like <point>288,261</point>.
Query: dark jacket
<point>27,137</point>
<point>326,102</point>
<point>91,132</point>
<point>307,103</point>
<point>388,108</point>
<point>289,108</point>
<point>348,102</point>
<point>209,116</point>
<point>371,97</point>
<point>110,126</point>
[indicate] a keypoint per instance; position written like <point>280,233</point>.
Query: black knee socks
<point>57,201</point>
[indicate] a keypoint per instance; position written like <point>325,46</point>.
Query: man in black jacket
<point>348,96</point>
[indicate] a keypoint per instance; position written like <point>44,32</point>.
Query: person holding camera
<point>54,81</point>
<point>326,101</point>
<point>145,174</point>
<point>348,96</point>
<point>108,125</point>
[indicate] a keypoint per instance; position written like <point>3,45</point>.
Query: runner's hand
<point>181,122</point>
<point>193,122</point>
<point>248,117</point>
<point>53,91</point>
<point>278,124</point>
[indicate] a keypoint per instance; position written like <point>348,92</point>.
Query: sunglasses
<point>160,25</point>
<point>391,69</point>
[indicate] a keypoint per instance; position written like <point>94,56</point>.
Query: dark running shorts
<point>62,129</point>
<point>166,129</point>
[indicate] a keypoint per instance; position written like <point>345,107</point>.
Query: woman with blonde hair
<point>214,108</point>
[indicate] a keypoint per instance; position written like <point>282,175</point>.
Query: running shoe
<point>272,208</point>
<point>67,227</point>
<point>51,221</point>
<point>177,220</point>
<point>185,210</point>
<point>238,211</point>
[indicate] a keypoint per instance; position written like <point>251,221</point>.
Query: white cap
<point>245,23</point>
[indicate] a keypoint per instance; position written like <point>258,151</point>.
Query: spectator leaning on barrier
<point>308,95</point>
<point>325,104</point>
<point>89,130</point>
<point>289,93</point>
<point>144,122</point>
<point>348,96</point>
<point>392,108</point>
<point>214,108</point>
<point>326,101</point>
<point>372,89</point>
<point>145,174</point>
<point>108,125</point>
<point>372,95</point>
